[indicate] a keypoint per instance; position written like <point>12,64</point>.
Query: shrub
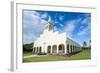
<point>84,48</point>
<point>42,53</point>
<point>28,47</point>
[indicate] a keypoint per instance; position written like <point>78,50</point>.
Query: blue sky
<point>76,25</point>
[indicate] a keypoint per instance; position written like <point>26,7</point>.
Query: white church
<point>54,43</point>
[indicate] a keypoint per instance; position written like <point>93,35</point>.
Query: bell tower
<point>49,26</point>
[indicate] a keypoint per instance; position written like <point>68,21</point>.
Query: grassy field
<point>27,53</point>
<point>85,54</point>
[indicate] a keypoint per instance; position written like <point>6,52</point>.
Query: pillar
<point>42,49</point>
<point>65,49</point>
<point>72,49</point>
<point>51,50</point>
<point>69,48</point>
<point>33,50</point>
<point>36,50</point>
<point>57,49</point>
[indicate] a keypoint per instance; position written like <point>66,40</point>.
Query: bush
<point>85,48</point>
<point>42,53</point>
<point>28,47</point>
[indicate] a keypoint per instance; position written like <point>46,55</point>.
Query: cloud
<point>69,27</point>
<point>78,29</point>
<point>56,22</point>
<point>61,25</point>
<point>28,38</point>
<point>32,26</point>
<point>84,31</point>
<point>29,14</point>
<point>72,24</point>
<point>61,18</point>
<point>86,21</point>
<point>44,15</point>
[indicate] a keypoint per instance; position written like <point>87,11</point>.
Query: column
<point>69,48</point>
<point>75,49</point>
<point>72,49</point>
<point>65,49</point>
<point>51,50</point>
<point>42,48</point>
<point>46,49</point>
<point>36,50</point>
<point>57,49</point>
<point>33,51</point>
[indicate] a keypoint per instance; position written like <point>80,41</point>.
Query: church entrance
<point>49,49</point>
<point>54,49</point>
<point>61,49</point>
<point>68,48</point>
<point>39,49</point>
<point>71,49</point>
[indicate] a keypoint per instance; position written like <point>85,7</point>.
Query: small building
<point>53,42</point>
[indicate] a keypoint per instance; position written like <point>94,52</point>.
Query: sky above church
<point>77,25</point>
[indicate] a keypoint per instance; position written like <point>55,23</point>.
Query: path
<point>34,56</point>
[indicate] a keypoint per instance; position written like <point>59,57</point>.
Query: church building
<point>54,43</point>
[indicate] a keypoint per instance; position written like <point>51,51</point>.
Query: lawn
<point>83,55</point>
<point>27,53</point>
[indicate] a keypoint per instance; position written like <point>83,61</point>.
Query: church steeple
<point>49,20</point>
<point>49,26</point>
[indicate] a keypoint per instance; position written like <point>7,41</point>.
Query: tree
<point>90,41</point>
<point>90,44</point>
<point>84,44</point>
<point>28,47</point>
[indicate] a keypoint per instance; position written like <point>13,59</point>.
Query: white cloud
<point>84,31</point>
<point>30,13</point>
<point>32,26</point>
<point>56,22</point>
<point>69,27</point>
<point>61,25</point>
<point>27,39</point>
<point>61,18</point>
<point>81,27</point>
<point>44,15</point>
<point>55,19</point>
<point>85,21</point>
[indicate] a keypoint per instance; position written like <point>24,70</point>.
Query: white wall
<point>5,39</point>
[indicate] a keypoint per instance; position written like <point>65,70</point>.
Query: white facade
<point>53,42</point>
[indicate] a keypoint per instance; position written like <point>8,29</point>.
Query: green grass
<point>85,54</point>
<point>27,53</point>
